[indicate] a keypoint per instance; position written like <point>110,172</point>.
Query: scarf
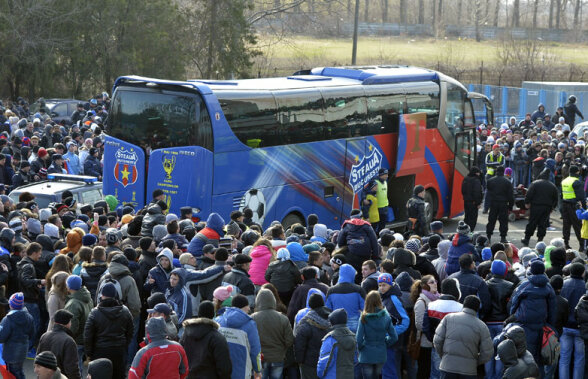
<point>431,296</point>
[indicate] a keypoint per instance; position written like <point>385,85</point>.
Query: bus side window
<point>301,115</point>
<point>385,105</point>
<point>424,97</point>
<point>345,114</point>
<point>454,112</point>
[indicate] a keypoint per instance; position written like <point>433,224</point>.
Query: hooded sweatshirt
<point>160,274</point>
<point>440,262</point>
<point>211,234</point>
<point>275,332</point>
<point>360,238</point>
<point>348,295</point>
<point>178,297</point>
<point>304,311</point>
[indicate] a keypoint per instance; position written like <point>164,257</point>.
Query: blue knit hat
<point>16,301</point>
<point>74,282</point>
<point>89,240</point>
<point>385,278</point>
<point>486,254</point>
<point>498,267</point>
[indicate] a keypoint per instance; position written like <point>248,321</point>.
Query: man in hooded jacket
<point>360,239</point>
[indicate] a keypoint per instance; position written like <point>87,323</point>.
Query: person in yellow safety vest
<point>382,197</point>
<point>573,198</point>
<point>493,159</point>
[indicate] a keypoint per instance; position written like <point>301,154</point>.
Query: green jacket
<point>80,305</point>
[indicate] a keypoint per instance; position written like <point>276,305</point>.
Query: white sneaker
<point>551,228</point>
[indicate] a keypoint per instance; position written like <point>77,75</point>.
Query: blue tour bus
<point>291,146</point>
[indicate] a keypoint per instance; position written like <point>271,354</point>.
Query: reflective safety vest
<point>567,188</point>
<point>490,170</point>
<point>382,194</point>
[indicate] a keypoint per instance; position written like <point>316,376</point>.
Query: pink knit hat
<point>222,293</point>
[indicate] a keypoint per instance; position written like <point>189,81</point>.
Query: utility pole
<point>355,29</point>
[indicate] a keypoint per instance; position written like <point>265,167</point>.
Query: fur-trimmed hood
<point>403,257</point>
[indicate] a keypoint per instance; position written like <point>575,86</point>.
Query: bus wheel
<point>430,205</point>
<point>291,219</point>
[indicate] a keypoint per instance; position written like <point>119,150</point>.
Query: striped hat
<point>16,301</point>
<point>15,224</point>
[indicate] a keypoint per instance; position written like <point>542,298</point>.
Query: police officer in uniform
<point>493,159</point>
<point>471,190</point>
<point>415,207</point>
<point>573,195</point>
<point>501,194</point>
<point>382,197</point>
<point>541,198</point>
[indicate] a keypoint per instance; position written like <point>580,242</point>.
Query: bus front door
<point>465,155</point>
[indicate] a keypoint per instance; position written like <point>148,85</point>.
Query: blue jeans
<point>370,370</point>
<point>494,366</point>
<point>272,370</point>
<point>16,370</point>
<point>81,359</point>
<point>389,370</point>
<point>134,345</point>
<point>435,363</point>
<point>572,345</point>
<point>33,309</point>
<point>411,366</point>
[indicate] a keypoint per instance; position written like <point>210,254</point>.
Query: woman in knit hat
<point>222,298</point>
<point>16,330</point>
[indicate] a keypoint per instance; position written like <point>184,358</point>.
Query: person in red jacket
<point>161,358</point>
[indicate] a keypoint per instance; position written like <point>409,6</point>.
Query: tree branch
<point>258,16</point>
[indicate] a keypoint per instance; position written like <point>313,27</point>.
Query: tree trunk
<point>366,15</point>
<point>551,4</point>
<point>434,15</point>
<point>477,12</point>
<point>459,10</point>
<point>557,13</point>
<point>535,8</point>
<point>440,10</point>
<point>421,18</point>
<point>384,11</point>
<point>209,61</point>
<point>516,14</point>
<point>403,12</point>
<point>577,9</point>
<point>496,13</point>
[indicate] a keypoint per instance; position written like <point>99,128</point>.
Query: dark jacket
<point>16,330</point>
<point>471,189</point>
<point>27,279</point>
<point>347,295</point>
<point>146,262</point>
<point>154,217</point>
<point>415,207</point>
<point>570,112</point>
<point>298,300</point>
<point>573,289</point>
<point>557,257</point>
<point>275,332</point>
<point>542,192</point>
<point>516,367</point>
<point>92,166</point>
<point>338,354</point>
<point>284,275</point>
<point>91,274</point>
<point>240,279</point>
<point>109,325</point>
<point>309,334</point>
<point>533,302</point>
<point>461,244</point>
<point>61,343</point>
<point>500,190</point>
<point>500,291</point>
<point>561,313</point>
<point>404,261</point>
<point>360,238</point>
<point>206,348</point>
<point>472,284</point>
<point>581,314</point>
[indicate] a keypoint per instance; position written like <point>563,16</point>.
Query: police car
<point>85,189</point>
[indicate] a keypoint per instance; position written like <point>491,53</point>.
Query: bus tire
<point>430,206</point>
<point>291,219</point>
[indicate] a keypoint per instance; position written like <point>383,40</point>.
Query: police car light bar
<point>76,178</point>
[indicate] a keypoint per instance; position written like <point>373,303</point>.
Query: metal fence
<point>513,101</point>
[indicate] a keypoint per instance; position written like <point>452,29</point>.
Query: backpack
<point>110,279</point>
<point>549,346</point>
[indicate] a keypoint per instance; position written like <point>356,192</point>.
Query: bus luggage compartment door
<point>124,172</point>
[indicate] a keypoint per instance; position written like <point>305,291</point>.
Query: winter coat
<point>211,234</point>
<point>463,342</point>
<point>275,332</point>
<point>500,190</point>
<point>154,217</point>
<point>347,295</point>
<point>178,297</point>
<point>440,262</point>
<point>338,354</point>
<point>160,275</point>
<point>472,284</point>
<point>471,189</point>
<point>360,238</point>
<point>538,113</point>
<point>91,274</point>
<point>297,254</point>
<point>392,303</point>
<point>542,192</point>
<point>581,314</point>
<point>80,305</point>
<point>55,302</point>
<point>92,166</point>
<point>500,291</point>
<point>60,342</point>
<point>206,348</point>
<point>309,334</point>
<point>420,307</point>
<point>404,261</point>
<point>573,289</point>
<point>27,278</point>
<point>240,279</point>
<point>561,314</point>
<point>374,335</point>
<point>260,259</point>
<point>415,208</point>
<point>109,325</point>
<point>370,283</point>
<point>241,333</point>
<point>130,292</point>
<point>16,330</point>
<point>533,302</point>
<point>300,295</point>
<point>460,245</point>
<point>284,275</point>
<point>161,358</point>
<point>147,261</point>
<point>515,367</point>
<point>304,311</point>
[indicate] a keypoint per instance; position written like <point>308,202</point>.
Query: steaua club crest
<point>125,169</point>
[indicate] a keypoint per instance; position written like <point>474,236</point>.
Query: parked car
<point>58,109</point>
<point>580,129</point>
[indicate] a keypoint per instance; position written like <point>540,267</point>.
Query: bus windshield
<point>157,119</point>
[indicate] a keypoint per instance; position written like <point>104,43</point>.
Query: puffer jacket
<point>581,314</point>
<point>533,302</point>
<point>109,325</point>
<point>275,332</point>
<point>309,334</point>
<point>347,295</point>
<point>260,259</point>
<point>80,305</point>
<point>300,295</point>
<point>211,234</point>
<point>515,367</point>
<point>393,304</point>
<point>243,358</point>
<point>573,289</point>
<point>440,262</point>
<point>284,275</point>
<point>178,297</point>
<point>500,291</point>
<point>180,240</point>
<point>206,348</point>
<point>338,354</point>
<point>374,334</point>
<point>16,330</point>
<point>130,292</point>
<point>404,261</point>
<point>304,311</point>
<point>360,238</point>
<point>420,307</point>
<point>91,274</point>
<point>160,275</point>
<point>470,283</point>
<point>463,343</point>
<point>154,217</point>
<point>515,334</point>
<point>461,244</point>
